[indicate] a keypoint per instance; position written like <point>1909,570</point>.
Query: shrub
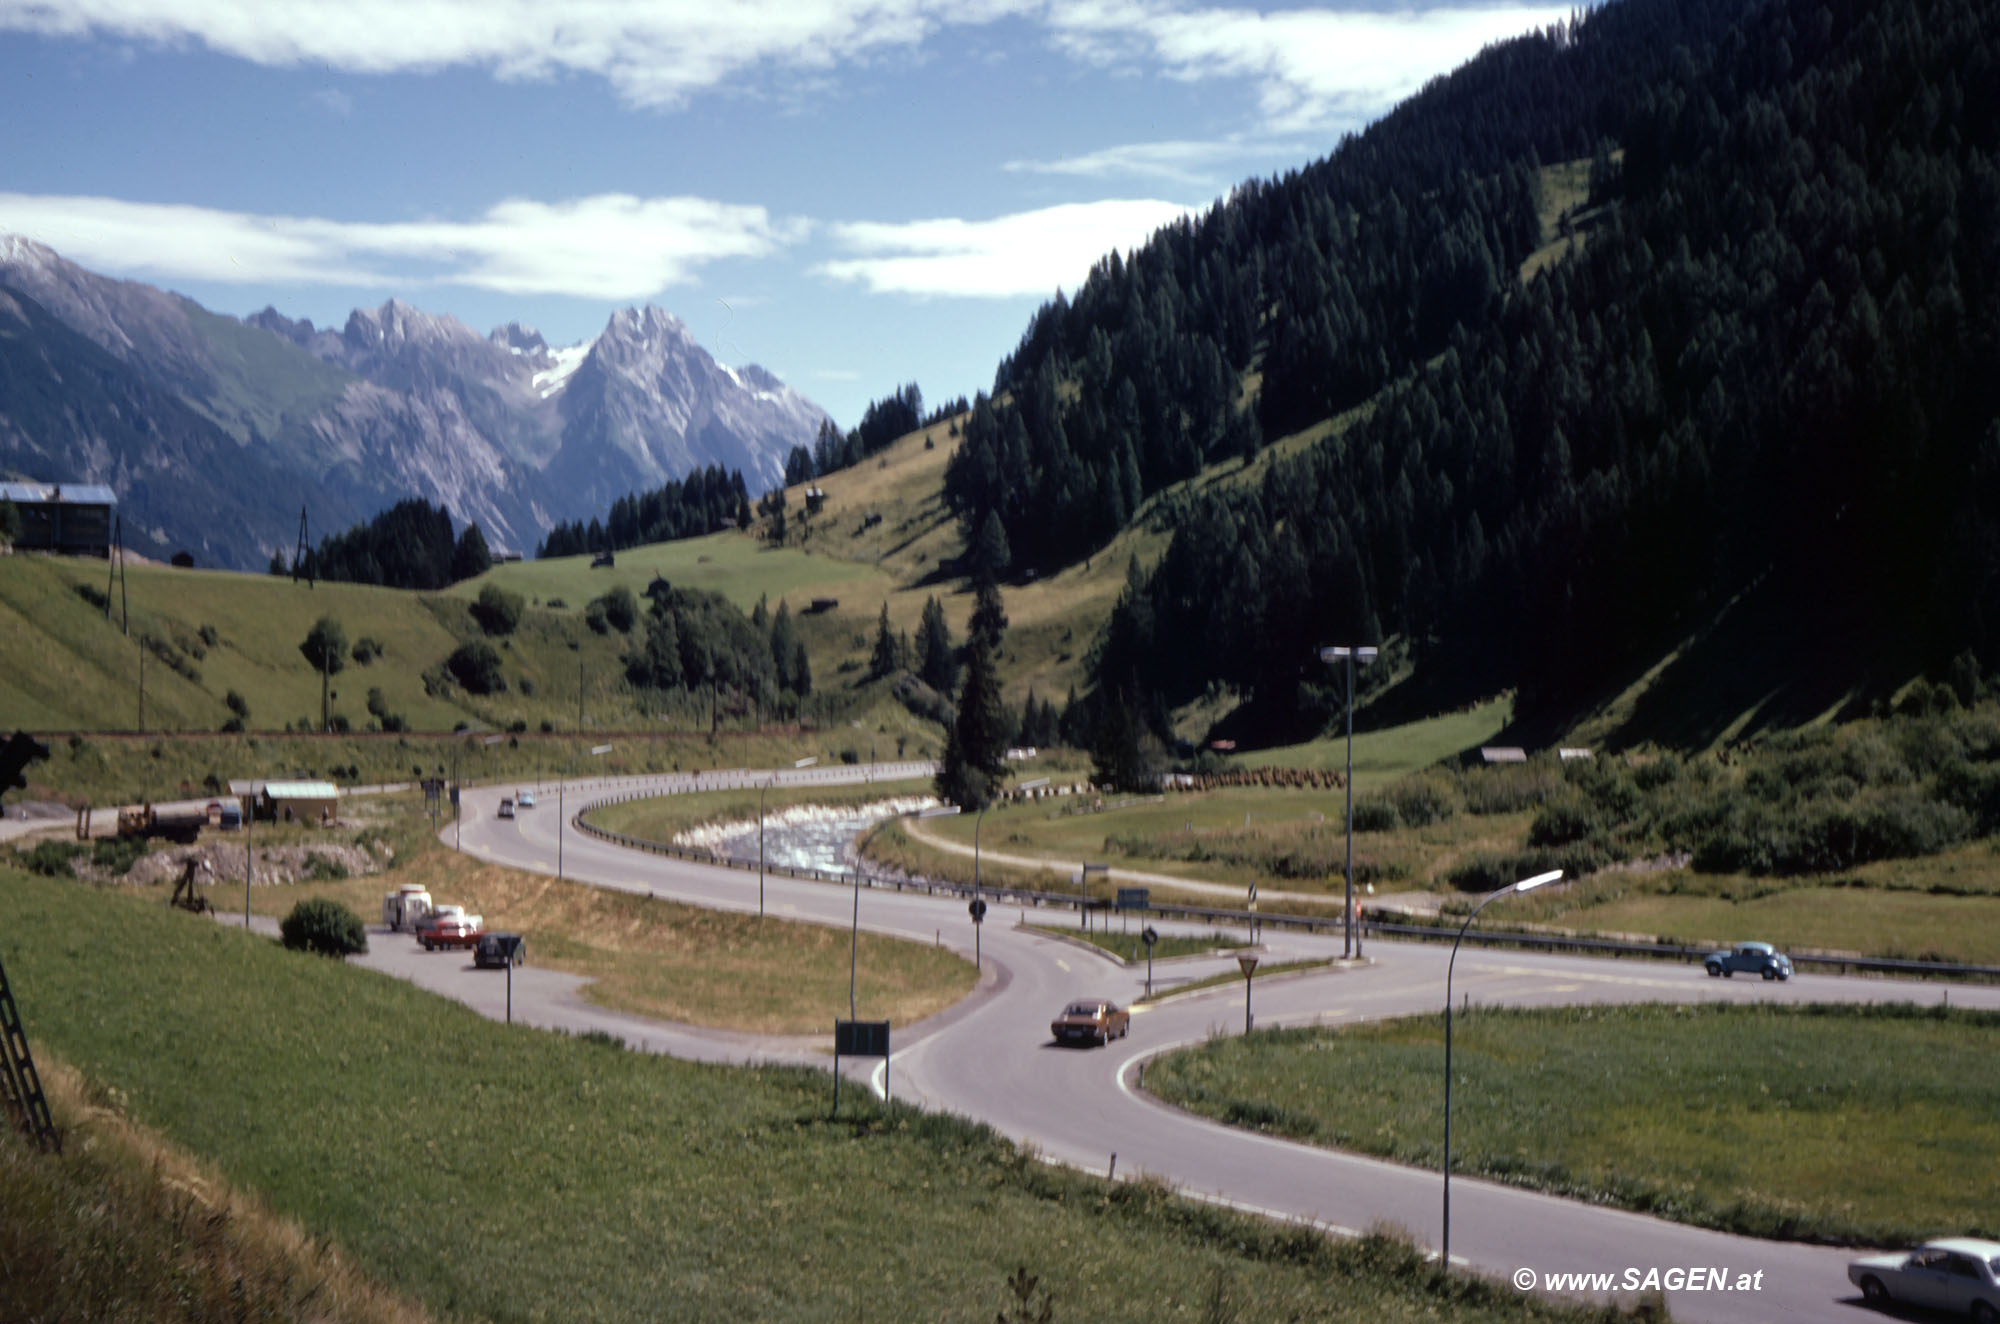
<point>366,650</point>
<point>476,666</point>
<point>325,646</point>
<point>1375,813</point>
<point>52,859</point>
<point>1422,801</point>
<point>596,617</point>
<point>620,608</point>
<point>497,611</point>
<point>324,926</point>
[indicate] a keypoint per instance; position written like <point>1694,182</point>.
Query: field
<point>1862,1125</point>
<point>1125,945</point>
<point>650,957</point>
<point>502,1172</point>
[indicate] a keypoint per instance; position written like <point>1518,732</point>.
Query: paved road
<point>990,1058</point>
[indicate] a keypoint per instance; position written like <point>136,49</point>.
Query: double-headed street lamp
<point>806,762</point>
<point>1351,941</point>
<point>1525,885</point>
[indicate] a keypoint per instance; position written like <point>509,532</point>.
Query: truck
<point>450,926</point>
<point>406,907</point>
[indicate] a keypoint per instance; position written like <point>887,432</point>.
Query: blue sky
<point>853,193</point>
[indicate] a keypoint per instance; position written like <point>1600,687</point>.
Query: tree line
<point>1767,363</point>
<point>410,545</point>
<point>706,501</point>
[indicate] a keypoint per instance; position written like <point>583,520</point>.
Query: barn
<point>73,519</point>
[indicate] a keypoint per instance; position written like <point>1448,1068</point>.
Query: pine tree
<point>975,757</point>
<point>784,646</point>
<point>886,659</point>
<point>989,614</point>
<point>937,662</point>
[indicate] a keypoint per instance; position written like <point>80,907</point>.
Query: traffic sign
<point>978,910</point>
<point>1150,936</point>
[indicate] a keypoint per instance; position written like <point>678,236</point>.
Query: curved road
<point>990,1057</point>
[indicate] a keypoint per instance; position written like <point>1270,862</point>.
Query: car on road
<point>497,951</point>
<point>1749,958</point>
<point>524,799</point>
<point>506,807</point>
<point>450,926</point>
<point>1959,1274</point>
<point>1091,1021</point>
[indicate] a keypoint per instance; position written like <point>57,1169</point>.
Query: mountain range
<point>214,430</point>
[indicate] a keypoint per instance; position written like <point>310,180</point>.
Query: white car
<point>1957,1274</point>
<point>524,799</point>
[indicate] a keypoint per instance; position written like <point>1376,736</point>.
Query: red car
<point>1091,1021</point>
<point>444,928</point>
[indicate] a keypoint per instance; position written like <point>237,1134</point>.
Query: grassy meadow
<point>1868,1125</point>
<point>1123,942</point>
<point>502,1172</point>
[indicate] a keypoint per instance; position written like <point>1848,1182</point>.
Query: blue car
<point>1750,958</point>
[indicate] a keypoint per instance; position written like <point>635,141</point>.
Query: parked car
<point>1091,1021</point>
<point>496,951</point>
<point>506,807</point>
<point>1750,958</point>
<point>524,799</point>
<point>1957,1274</point>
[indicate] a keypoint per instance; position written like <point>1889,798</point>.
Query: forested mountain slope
<point>1765,377</point>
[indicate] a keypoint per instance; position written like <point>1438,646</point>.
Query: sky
<point>854,194</point>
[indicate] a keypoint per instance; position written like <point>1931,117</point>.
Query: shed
<point>300,802</point>
<point>71,518</point>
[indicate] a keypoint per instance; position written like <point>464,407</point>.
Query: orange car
<point>1091,1022</point>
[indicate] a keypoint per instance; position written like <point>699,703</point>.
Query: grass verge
<point>1124,945</point>
<point>507,1173</point>
<point>1868,1125</point>
<point>1216,981</point>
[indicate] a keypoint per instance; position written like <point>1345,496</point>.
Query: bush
<point>476,666</point>
<point>52,859</point>
<point>497,611</point>
<point>1375,813</point>
<point>366,650</point>
<point>324,926</point>
<point>1422,801</point>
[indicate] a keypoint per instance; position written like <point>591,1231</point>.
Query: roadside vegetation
<point>1864,1125</point>
<point>497,1171</point>
<point>1125,943</point>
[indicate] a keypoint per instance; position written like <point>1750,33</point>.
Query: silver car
<point>1957,1274</point>
<point>1750,958</point>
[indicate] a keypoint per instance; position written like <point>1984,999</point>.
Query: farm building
<point>73,519</point>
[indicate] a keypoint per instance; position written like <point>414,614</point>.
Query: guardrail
<point>1370,927</point>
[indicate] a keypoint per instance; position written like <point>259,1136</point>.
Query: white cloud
<point>1028,253</point>
<point>1313,68</point>
<point>1181,162</point>
<point>654,53</point>
<point>610,246</point>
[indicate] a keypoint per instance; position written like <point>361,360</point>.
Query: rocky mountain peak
<point>396,324</point>
<point>520,339</point>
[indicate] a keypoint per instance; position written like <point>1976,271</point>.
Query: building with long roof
<point>73,519</point>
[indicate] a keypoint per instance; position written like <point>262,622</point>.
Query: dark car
<point>498,950</point>
<point>1750,958</point>
<point>1091,1021</point>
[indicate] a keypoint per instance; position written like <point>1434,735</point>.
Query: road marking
<point>1062,964</point>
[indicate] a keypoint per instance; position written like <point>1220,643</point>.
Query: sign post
<point>1149,937</point>
<point>978,912</point>
<point>1249,965</point>
<point>1083,890</point>
<point>859,1039</point>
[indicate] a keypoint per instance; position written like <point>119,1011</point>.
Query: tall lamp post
<point>1350,940</point>
<point>806,762</point>
<point>1525,885</point>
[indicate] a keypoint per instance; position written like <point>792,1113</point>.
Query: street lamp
<point>1525,885</point>
<point>806,762</point>
<point>1350,940</point>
